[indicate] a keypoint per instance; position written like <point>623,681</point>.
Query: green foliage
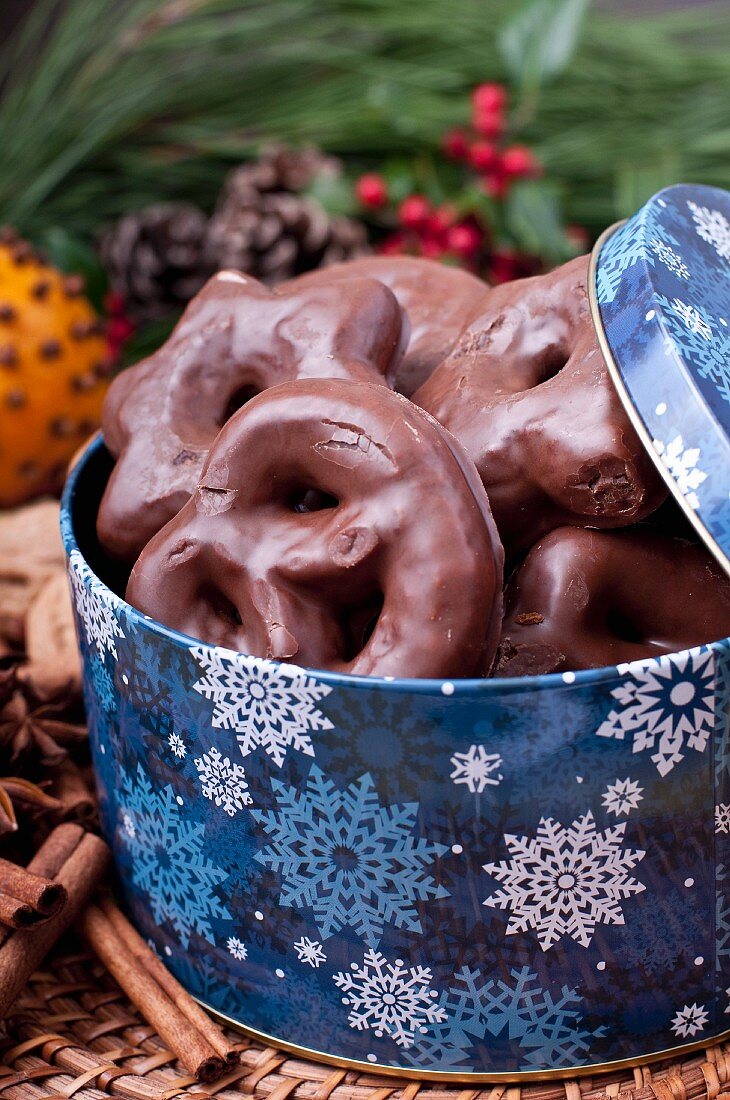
<point>539,41</point>
<point>533,219</point>
<point>106,107</point>
<point>70,253</point>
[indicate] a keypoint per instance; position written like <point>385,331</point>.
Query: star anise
<point>40,732</point>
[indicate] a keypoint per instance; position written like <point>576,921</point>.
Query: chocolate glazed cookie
<point>584,599</point>
<point>235,340</point>
<point>336,525</point>
<point>439,300</point>
<point>527,393</point>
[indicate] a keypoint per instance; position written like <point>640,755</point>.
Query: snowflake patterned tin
<point>477,880</point>
<point>661,297</point>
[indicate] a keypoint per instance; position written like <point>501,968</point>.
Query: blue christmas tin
<point>477,879</point>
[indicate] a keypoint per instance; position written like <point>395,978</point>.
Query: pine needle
<point>107,106</point>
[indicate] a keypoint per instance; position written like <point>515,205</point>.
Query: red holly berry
<point>441,220</point>
<point>431,249</point>
<point>394,245</point>
<point>482,155</point>
<point>114,303</point>
<point>413,212</point>
<point>118,331</point>
<point>455,144</point>
<point>505,266</point>
<point>495,183</point>
<point>372,190</point>
<point>489,97</point>
<point>518,160</point>
<point>464,239</point>
<point>490,124</point>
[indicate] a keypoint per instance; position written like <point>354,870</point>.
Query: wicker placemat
<point>73,1033</point>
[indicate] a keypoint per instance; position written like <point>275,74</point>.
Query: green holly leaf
<point>334,193</point>
<point>400,177</point>
<point>532,217</point>
<point>538,42</point>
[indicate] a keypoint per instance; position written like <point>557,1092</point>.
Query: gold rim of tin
<point>708,540</point>
<point>461,1078</point>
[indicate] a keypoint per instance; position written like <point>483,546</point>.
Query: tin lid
<point>660,295</point>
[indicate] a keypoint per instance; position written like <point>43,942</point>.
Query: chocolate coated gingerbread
<point>235,339</point>
<point>338,526</point>
<point>527,393</point>
<point>438,298</point>
<point>584,599</point>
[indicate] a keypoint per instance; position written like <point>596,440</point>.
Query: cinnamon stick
<point>130,937</point>
<point>174,1028</point>
<point>21,953</point>
<point>51,856</point>
<point>56,849</point>
<point>27,900</point>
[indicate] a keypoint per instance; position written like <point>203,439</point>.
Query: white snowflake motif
<point>223,782</point>
<point>670,259</point>
<point>390,998</point>
<point>177,745</point>
<point>237,949</point>
<point>476,768</point>
<point>565,881</point>
<point>666,704</point>
<point>713,227</point>
<point>268,705</point>
<point>94,606</point>
<point>622,797</point>
<point>310,951</point>
<point>689,1020</point>
<point>691,318</point>
<point>128,824</point>
<point>682,465</point>
<point>722,818</point>
<point>727,994</point>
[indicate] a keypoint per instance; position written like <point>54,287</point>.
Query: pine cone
<point>155,258</point>
<point>264,226</point>
<point>282,169</point>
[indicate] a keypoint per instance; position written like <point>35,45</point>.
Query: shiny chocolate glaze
<point>236,339</point>
<point>527,393</point>
<point>584,599</point>
<point>438,298</point>
<point>336,525</point>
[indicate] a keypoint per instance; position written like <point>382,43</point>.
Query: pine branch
<point>129,102</point>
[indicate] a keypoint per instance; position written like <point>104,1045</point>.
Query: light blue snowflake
<point>546,1029</point>
<point>353,861</point>
<point>718,521</point>
<point>698,339</point>
<point>630,246</point>
<point>102,685</point>
<point>168,862</point>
